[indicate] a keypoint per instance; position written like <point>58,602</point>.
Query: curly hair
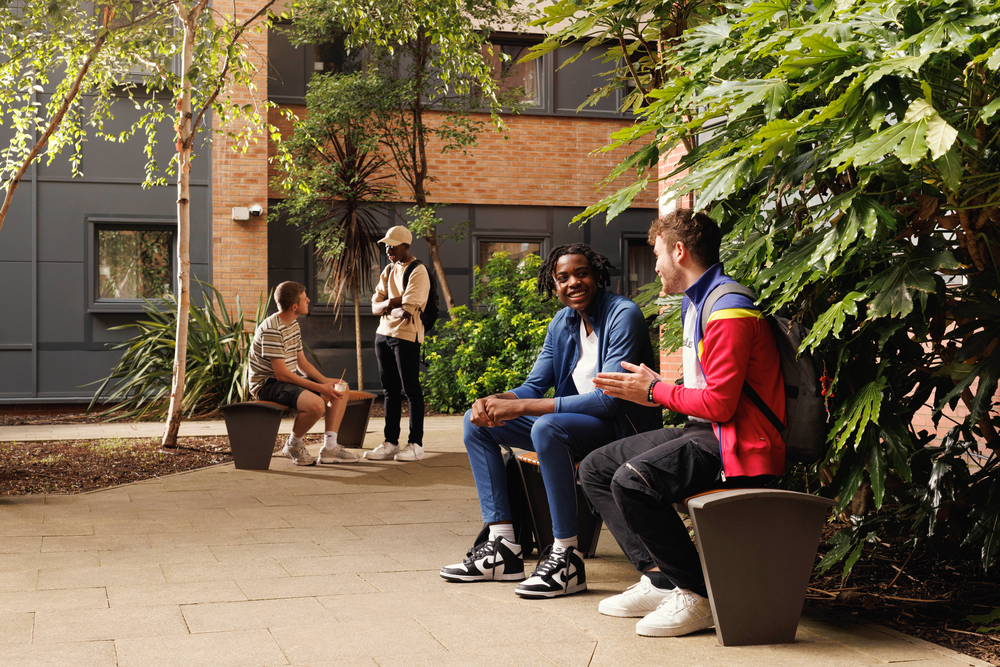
<point>696,230</point>
<point>600,265</point>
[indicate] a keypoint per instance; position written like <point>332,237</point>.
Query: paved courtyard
<point>332,566</point>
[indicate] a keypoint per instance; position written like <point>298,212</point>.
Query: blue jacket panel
<point>622,335</point>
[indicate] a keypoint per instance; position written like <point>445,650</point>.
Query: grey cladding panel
<point>62,301</point>
<point>107,159</point>
<point>64,207</point>
<point>15,303</point>
<point>64,373</point>
<point>15,372</point>
<point>530,218</point>
<point>15,236</point>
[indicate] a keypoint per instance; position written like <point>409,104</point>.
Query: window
<point>517,249</point>
<point>131,260</point>
<point>325,293</point>
<point>640,266</point>
<point>516,81</point>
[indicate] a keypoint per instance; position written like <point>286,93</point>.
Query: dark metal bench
<point>253,428</point>
<point>757,549</point>
<point>589,525</point>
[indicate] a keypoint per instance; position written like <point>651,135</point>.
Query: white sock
<point>294,440</point>
<point>505,530</point>
<point>330,439</point>
<point>563,545</point>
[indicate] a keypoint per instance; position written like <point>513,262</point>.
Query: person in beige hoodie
<point>397,345</point>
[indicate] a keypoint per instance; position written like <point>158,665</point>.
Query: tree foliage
<point>491,346</point>
<point>850,151</point>
<point>436,50</point>
<point>334,174</point>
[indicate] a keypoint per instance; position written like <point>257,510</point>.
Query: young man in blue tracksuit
<point>597,331</point>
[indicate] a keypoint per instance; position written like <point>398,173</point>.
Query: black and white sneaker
<point>496,560</point>
<point>558,573</point>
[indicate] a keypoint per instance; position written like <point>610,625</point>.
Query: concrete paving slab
<point>80,598</point>
<point>257,614</point>
<point>156,556</point>
<point>308,586</point>
<point>244,648</point>
<point>96,577</point>
<point>181,573</point>
<point>104,624</point>
<point>16,628</point>
<point>77,654</point>
<point>149,595</point>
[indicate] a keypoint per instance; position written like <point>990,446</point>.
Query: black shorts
<point>285,393</point>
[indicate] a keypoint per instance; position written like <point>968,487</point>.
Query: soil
<point>917,592</point>
<point>914,591</point>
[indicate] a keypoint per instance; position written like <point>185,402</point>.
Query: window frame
<point>502,236</point>
<point>95,224</point>
<point>627,239</point>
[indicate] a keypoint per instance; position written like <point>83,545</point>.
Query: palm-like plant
<point>335,177</point>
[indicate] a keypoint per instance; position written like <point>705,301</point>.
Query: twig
<point>905,562</point>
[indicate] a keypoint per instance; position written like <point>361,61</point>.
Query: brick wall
<point>539,161</point>
<point>239,249</point>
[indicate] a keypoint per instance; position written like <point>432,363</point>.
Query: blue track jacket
<point>622,335</point>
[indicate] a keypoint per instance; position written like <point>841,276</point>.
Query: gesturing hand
<point>632,386</point>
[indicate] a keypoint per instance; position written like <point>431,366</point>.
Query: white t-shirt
<point>586,365</point>
<point>693,377</point>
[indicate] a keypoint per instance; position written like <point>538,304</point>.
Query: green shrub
<point>218,345</point>
<point>490,347</point>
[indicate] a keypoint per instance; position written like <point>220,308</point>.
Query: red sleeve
<point>724,360</point>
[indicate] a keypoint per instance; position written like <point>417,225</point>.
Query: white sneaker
<point>383,452</point>
<point>337,454</point>
<point>410,452</point>
<point>681,613</point>
<point>637,600</point>
<point>299,455</point>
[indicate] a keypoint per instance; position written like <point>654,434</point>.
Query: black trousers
<point>399,372</point>
<point>633,484</point>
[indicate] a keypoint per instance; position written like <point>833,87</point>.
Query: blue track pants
<point>558,439</point>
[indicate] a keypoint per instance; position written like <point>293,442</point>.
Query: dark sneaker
<point>558,573</point>
<point>497,560</point>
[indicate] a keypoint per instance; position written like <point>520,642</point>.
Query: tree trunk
<point>357,339</point>
<point>184,144</point>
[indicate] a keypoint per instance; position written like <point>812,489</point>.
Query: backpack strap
<point>409,269</point>
<point>706,312</point>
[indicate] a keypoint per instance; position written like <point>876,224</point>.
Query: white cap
<point>397,235</point>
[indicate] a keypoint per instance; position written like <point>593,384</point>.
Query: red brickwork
<point>539,161</point>
<point>239,249</point>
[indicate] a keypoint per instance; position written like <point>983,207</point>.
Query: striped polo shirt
<point>273,339</point>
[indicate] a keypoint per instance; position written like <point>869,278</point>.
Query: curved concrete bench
<point>757,549</point>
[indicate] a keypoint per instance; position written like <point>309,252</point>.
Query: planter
<point>252,428</point>
<point>355,424</point>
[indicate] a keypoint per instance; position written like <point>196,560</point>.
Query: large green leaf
<point>893,289</point>
<point>831,323</point>
<point>861,410</point>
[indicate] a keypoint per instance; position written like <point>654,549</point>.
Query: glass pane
<point>512,77</point>
<point>641,266</point>
<point>134,264</point>
<point>517,250</point>
<point>325,287</point>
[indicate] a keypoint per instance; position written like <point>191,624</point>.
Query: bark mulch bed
<point>917,592</point>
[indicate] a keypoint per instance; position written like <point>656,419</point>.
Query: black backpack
<point>805,409</point>
<point>431,311</point>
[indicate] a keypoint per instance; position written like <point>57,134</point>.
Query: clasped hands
<point>632,386</point>
<point>495,411</point>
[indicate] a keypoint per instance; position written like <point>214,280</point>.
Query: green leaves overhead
<point>850,151</point>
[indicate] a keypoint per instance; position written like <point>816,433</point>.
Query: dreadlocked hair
<point>600,265</point>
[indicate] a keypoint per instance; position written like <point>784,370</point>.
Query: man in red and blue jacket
<point>726,440</point>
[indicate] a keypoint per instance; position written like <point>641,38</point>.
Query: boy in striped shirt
<point>278,372</point>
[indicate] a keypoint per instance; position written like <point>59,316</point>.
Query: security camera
<point>256,210</point>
